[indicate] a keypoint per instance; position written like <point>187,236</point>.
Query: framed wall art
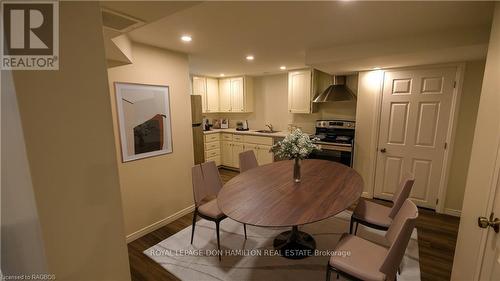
<point>144,120</point>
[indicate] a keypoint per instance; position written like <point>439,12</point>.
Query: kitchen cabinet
<point>227,153</point>
<point>261,146</point>
<point>208,89</point>
<point>264,155</point>
<point>200,88</point>
<point>303,86</point>
<point>236,94</point>
<point>299,91</point>
<point>213,148</point>
<point>233,94</point>
<point>237,149</point>
<point>230,152</point>
<point>233,144</point>
<point>224,95</point>
<point>212,95</point>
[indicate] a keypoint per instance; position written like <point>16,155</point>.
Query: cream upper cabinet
<point>212,96</point>
<point>233,94</point>
<point>224,95</point>
<point>299,91</point>
<point>200,88</point>
<point>236,94</point>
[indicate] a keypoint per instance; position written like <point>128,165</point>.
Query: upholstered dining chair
<point>370,261</point>
<point>378,216</point>
<point>206,186</point>
<point>247,161</point>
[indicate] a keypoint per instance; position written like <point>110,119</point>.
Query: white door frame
<point>450,135</point>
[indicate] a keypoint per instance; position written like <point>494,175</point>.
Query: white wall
<point>68,129</point>
<point>467,113</point>
<point>369,88</point>
<point>22,250</point>
<point>158,189</point>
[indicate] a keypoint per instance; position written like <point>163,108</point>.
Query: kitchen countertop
<point>280,134</point>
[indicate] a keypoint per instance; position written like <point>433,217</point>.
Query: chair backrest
<point>247,161</point>
<point>401,194</point>
<point>398,235</point>
<point>206,181</point>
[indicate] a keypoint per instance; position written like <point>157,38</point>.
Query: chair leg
<point>195,214</point>
<point>245,229</point>
<point>218,239</point>
<point>328,272</point>
<point>350,225</point>
<point>356,230</point>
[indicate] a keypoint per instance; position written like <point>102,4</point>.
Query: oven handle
<point>336,148</point>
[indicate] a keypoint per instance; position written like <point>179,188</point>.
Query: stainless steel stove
<point>336,139</point>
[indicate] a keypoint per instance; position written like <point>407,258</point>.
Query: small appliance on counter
<point>224,123</point>
<point>216,124</point>
<point>206,124</point>
<point>242,125</point>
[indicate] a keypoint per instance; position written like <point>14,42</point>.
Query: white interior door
<point>414,122</point>
<point>490,269</point>
<point>473,242</point>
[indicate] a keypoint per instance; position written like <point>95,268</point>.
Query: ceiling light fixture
<point>376,68</point>
<point>222,75</point>
<point>282,67</point>
<point>249,57</point>
<point>186,38</point>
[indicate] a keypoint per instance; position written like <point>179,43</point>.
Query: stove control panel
<point>340,124</point>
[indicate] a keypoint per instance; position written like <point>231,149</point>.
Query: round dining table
<point>268,196</point>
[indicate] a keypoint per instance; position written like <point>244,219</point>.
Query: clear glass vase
<point>296,170</point>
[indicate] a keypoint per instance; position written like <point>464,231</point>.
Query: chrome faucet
<point>270,127</point>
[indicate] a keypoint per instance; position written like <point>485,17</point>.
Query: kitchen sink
<point>267,131</point>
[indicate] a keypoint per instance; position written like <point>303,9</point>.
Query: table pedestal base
<point>295,244</point>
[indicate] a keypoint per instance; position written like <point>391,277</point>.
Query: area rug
<point>255,258</point>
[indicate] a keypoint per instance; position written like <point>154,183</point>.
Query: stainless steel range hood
<point>338,91</point>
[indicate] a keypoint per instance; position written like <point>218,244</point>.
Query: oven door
<point>342,155</point>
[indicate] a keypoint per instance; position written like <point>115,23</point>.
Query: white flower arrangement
<point>297,145</point>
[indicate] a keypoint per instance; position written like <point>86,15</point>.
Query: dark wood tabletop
<point>268,196</point>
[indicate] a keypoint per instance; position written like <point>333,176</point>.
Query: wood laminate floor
<point>437,236</point>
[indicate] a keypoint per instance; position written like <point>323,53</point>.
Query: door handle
<point>494,223</point>
<point>383,150</point>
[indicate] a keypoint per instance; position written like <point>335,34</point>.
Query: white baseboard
<point>365,194</point>
<point>158,224</point>
<point>452,212</point>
